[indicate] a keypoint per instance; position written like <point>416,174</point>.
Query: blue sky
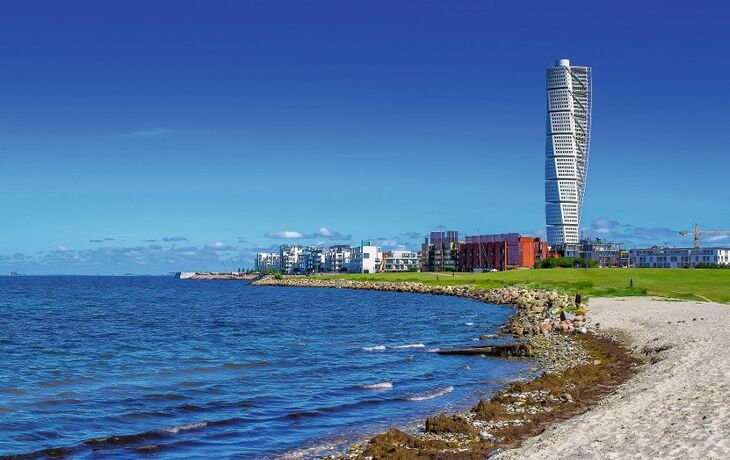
<point>148,137</point>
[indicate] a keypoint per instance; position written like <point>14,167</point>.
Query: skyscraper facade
<point>566,149</point>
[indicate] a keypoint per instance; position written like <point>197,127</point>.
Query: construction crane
<point>697,232</point>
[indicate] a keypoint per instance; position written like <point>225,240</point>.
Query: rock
<point>583,330</point>
<point>545,328</point>
<point>566,397</point>
<point>486,436</point>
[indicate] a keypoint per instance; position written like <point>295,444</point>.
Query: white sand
<point>678,407</point>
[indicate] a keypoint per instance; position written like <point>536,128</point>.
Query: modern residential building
<point>400,261</point>
<point>605,254</point>
<point>500,252</point>
<point>663,257</point>
<point>267,261</point>
<point>337,257</point>
<point>289,256</point>
<point>366,258</point>
<point>311,260</point>
<point>439,252</point>
<point>566,149</point>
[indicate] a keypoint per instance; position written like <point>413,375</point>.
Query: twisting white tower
<point>566,149</point>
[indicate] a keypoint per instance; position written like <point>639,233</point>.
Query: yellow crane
<point>697,232</point>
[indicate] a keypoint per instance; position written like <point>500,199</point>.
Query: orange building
<point>500,252</point>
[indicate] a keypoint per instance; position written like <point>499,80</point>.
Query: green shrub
<point>568,262</point>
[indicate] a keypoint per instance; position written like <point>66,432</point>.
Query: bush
<point>712,265</point>
<point>568,262</point>
<point>278,276</point>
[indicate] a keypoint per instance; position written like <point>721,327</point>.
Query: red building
<point>500,252</point>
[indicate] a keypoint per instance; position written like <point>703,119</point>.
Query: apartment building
<point>266,261</point>
<point>289,256</point>
<point>400,261</point>
<point>503,251</point>
<point>440,251</point>
<point>663,257</point>
<point>366,258</point>
<point>337,257</point>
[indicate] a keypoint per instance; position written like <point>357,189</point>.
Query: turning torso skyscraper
<point>566,149</point>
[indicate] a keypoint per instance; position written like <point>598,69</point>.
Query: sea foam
<point>375,348</point>
<point>379,386</point>
<point>431,394</point>
<point>188,427</point>
<point>394,347</point>
<point>411,345</point>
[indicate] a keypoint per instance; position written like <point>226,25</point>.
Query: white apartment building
<point>566,149</point>
<point>289,256</point>
<point>311,260</point>
<point>679,257</point>
<point>268,261</point>
<point>400,261</point>
<point>337,257</point>
<point>365,259</point>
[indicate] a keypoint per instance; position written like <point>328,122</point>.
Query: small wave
<point>190,408</point>
<point>245,365</point>
<point>13,391</point>
<point>433,350</point>
<point>468,324</point>
<point>394,347</point>
<point>378,386</point>
<point>431,394</point>
<point>411,345</point>
<point>125,439</point>
<point>188,427</point>
<point>375,348</point>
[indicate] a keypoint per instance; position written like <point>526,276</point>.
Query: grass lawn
<point>692,284</point>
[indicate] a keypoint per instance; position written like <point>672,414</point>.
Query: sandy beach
<point>678,406</point>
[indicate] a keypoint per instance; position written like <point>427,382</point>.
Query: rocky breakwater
<point>538,312</point>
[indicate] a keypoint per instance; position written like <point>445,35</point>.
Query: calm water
<point>124,367</point>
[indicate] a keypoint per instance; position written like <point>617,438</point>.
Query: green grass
<point>692,284</point>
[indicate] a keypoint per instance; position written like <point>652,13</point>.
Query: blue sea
<point>123,367</point>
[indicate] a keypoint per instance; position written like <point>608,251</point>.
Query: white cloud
<point>323,232</point>
<point>284,234</point>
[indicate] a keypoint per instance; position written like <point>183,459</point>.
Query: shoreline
<point>677,406</point>
<point>578,369</point>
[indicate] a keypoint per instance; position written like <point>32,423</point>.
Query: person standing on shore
<point>578,299</point>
